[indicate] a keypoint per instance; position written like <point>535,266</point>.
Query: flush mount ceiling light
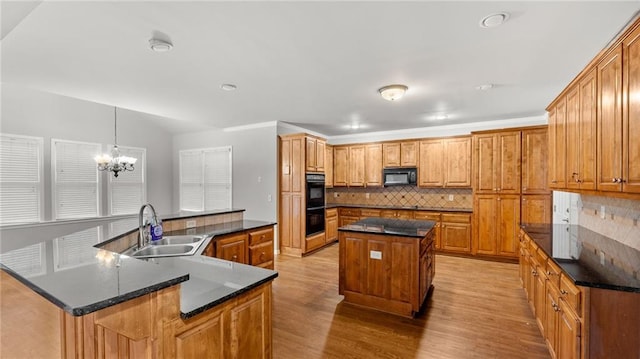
<point>440,117</point>
<point>228,87</point>
<point>159,45</point>
<point>494,20</point>
<point>392,92</point>
<point>484,87</point>
<point>114,162</point>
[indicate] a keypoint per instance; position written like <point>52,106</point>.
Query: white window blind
<point>128,191</point>
<point>76,249</point>
<point>28,261</point>
<point>75,179</point>
<point>205,179</point>
<point>21,187</point>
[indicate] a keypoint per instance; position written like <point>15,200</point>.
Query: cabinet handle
<point>524,188</point>
<point>262,255</point>
<point>234,258</point>
<point>499,189</point>
<point>554,181</point>
<point>563,292</point>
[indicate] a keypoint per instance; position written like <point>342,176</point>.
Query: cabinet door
<point>291,231</point>
<point>328,169</point>
<point>432,162</point>
<point>535,156</point>
<point>457,157</point>
<point>485,229</point>
<point>631,118</point>
<point>311,155</point>
<point>356,166</point>
<point>455,236</point>
<point>509,157</point>
<point>391,154</point>
<point>610,122</point>
<point>508,207</point>
<point>485,163</point>
<point>320,153</point>
<point>573,138</point>
<point>551,319</point>
<point>232,248</point>
<point>331,229</point>
<point>536,208</point>
<point>353,255</point>
<point>200,337</point>
<point>261,255</point>
<point>340,166</point>
<point>587,127</point>
<point>540,295</point>
<point>557,145</point>
<point>373,165</point>
<point>568,333</point>
<point>409,154</point>
<point>344,220</point>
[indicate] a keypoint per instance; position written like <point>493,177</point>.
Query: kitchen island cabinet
<point>387,264</point>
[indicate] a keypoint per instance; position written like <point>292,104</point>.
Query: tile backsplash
<point>402,196</point>
<point>621,220</point>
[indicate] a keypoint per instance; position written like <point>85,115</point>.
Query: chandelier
<point>114,162</point>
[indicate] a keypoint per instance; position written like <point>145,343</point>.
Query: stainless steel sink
<point>169,246</point>
<point>184,239</point>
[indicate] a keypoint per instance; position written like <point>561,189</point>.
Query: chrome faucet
<point>143,235</point>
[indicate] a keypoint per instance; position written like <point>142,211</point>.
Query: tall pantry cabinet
<point>509,187</point>
<point>299,154</point>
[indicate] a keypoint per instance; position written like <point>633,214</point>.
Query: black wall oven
<point>315,203</point>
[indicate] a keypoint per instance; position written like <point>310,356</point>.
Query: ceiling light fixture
<point>494,20</point>
<point>484,87</point>
<point>393,92</point>
<point>440,117</point>
<point>114,162</point>
<point>159,45</point>
<point>228,87</point>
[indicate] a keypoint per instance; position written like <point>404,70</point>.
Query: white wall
<point>34,113</point>
<point>255,153</point>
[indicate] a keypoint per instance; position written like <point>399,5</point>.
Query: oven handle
<point>315,208</point>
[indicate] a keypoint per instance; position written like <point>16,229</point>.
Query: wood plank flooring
<point>476,310</point>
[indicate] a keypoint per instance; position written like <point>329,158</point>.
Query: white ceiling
<point>315,64</point>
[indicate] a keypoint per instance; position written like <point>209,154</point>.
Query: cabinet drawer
<point>369,213</point>
<point>427,216</point>
<point>261,253</point>
<point>351,212</point>
<point>553,273</point>
<point>541,257</point>
<point>571,294</point>
<point>456,218</point>
<point>260,236</point>
<point>331,212</point>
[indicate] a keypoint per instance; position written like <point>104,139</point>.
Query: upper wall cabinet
<point>373,165</point>
<point>581,134</point>
<point>340,166</point>
<point>497,162</point>
<point>445,162</point>
<point>328,168</point>
<point>315,152</point>
<point>534,161</point>
<point>558,145</point>
<point>631,113</point>
<point>400,154</point>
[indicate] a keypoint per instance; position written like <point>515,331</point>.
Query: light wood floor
<point>477,310</point>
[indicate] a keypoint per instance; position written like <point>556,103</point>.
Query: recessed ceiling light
<point>484,87</point>
<point>355,126</point>
<point>228,87</point>
<point>159,45</point>
<point>494,20</point>
<point>440,117</point>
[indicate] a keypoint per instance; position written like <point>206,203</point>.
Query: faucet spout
<point>143,238</point>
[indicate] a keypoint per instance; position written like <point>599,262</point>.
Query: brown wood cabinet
<point>631,113</point>
<point>536,208</point>
<point>315,154</point>
<point>356,166</point>
<point>496,225</point>
<point>232,248</point>
<point>535,156</point>
<point>557,145</point>
<point>400,154</point>
<point>331,225</point>
<point>340,166</point>
<point>253,247</point>
<point>396,213</point>
<point>497,162</point>
<point>373,165</point>
<point>388,273</point>
<point>261,247</point>
<point>291,224</point>
<point>455,232</point>
<point>328,169</point>
<point>431,216</point>
<point>445,162</point>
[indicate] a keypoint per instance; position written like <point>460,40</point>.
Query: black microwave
<point>400,176</point>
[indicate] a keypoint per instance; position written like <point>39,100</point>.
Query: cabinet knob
<point>234,258</point>
<point>524,188</point>
<point>563,292</point>
<point>554,181</point>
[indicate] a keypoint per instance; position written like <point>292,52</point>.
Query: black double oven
<point>315,203</point>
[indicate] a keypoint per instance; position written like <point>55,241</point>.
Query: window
<point>21,188</point>
<point>128,191</point>
<point>75,179</point>
<point>205,179</point>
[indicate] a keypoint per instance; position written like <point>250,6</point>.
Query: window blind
<point>205,179</point>
<point>129,190</point>
<point>75,250</point>
<point>28,261</point>
<point>75,179</point>
<point>21,187</point>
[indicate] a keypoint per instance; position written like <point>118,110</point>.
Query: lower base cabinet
<point>253,247</point>
<point>240,328</point>
<point>455,233</point>
<point>331,225</point>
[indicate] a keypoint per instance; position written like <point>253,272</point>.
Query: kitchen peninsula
<point>387,264</point>
<point>63,301</point>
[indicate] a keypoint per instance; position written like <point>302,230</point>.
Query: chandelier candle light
<point>114,162</point>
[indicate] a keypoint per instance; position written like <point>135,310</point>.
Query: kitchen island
<point>387,264</point>
<point>68,298</point>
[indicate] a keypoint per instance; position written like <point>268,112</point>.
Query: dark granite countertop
<point>416,208</point>
<point>589,258</point>
<point>390,226</point>
<point>79,278</point>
